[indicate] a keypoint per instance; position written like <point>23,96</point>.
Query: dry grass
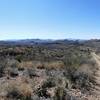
<point>22,88</point>
<point>42,65</point>
<point>27,64</point>
<point>30,64</point>
<point>25,89</point>
<point>54,65</point>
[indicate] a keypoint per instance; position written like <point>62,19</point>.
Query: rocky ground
<point>40,84</point>
<point>49,72</point>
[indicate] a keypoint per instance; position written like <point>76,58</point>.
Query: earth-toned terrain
<point>50,70</point>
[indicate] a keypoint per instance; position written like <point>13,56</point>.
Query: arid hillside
<point>49,70</point>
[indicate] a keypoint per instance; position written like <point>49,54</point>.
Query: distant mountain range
<point>37,41</point>
<point>91,42</point>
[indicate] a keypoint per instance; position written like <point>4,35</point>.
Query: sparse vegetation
<point>45,71</point>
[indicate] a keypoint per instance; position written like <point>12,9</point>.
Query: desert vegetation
<point>47,71</point>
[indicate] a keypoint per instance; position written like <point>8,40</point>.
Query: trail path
<point>96,88</point>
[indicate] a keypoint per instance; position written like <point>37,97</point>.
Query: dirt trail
<point>97,59</point>
<point>96,88</point>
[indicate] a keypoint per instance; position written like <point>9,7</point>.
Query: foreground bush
<point>60,94</point>
<point>22,91</point>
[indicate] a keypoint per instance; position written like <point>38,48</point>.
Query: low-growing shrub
<point>16,91</point>
<point>2,68</point>
<point>83,81</point>
<point>14,94</point>
<point>60,94</point>
<point>51,82</point>
<point>32,73</point>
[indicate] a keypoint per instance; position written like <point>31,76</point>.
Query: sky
<point>49,19</point>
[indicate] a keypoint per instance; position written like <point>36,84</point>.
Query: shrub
<point>32,73</point>
<point>83,81</point>
<point>72,61</point>
<point>51,82</point>
<point>2,68</point>
<point>60,94</point>
<point>42,92</point>
<point>14,94</point>
<point>16,91</point>
<point>26,91</point>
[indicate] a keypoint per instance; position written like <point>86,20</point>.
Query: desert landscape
<point>50,70</point>
<point>49,49</point>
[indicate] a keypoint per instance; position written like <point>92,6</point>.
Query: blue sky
<point>49,19</point>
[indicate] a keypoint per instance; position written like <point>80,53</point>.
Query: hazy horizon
<point>52,36</point>
<point>49,19</point>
